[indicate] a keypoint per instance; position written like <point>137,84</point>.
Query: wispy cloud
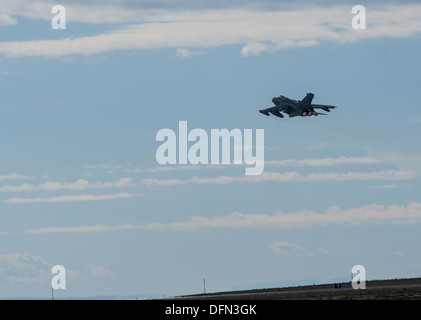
<point>403,161</point>
<point>258,30</point>
<point>291,176</point>
<point>191,167</point>
<point>286,248</point>
<point>323,161</point>
<point>78,185</point>
<point>102,166</point>
<point>281,163</point>
<point>83,229</point>
<point>367,214</point>
<point>318,146</point>
<point>186,53</point>
<point>75,198</point>
<point>13,176</point>
<point>99,271</point>
<point>28,269</point>
<point>386,186</point>
<point>323,251</point>
<point>24,268</point>
<point>6,20</point>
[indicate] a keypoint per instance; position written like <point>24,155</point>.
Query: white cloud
<point>288,162</point>
<point>6,20</point>
<point>27,269</point>
<point>323,251</point>
<point>367,214</point>
<point>185,53</point>
<point>134,170</point>
<point>99,271</point>
<point>255,48</point>
<point>285,248</point>
<point>399,253</point>
<point>403,161</point>
<point>85,11</point>
<point>76,198</point>
<point>257,30</point>
<point>291,176</point>
<point>190,167</point>
<point>322,161</point>
<point>386,186</point>
<point>318,146</point>
<point>83,229</point>
<point>78,185</point>
<point>102,166</point>
<point>13,176</point>
<point>24,268</point>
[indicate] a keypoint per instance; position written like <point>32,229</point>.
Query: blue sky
<point>80,185</point>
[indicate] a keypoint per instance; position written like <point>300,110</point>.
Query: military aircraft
<point>293,108</point>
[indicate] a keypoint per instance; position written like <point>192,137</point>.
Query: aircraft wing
<point>273,110</point>
<point>276,110</point>
<point>324,107</point>
<point>315,113</point>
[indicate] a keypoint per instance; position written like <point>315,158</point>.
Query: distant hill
<point>408,288</point>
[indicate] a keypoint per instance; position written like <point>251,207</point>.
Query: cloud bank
<point>75,198</point>
<point>257,29</point>
<point>78,185</point>
<point>28,269</point>
<point>291,176</point>
<point>368,214</point>
<point>24,268</point>
<point>293,249</point>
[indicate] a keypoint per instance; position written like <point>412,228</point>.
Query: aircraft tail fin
<point>308,99</point>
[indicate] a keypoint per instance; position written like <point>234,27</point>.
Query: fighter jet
<point>293,108</point>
